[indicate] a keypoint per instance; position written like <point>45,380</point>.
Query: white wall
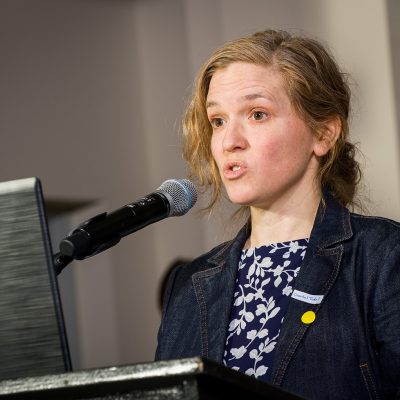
<point>92,93</point>
<point>393,15</point>
<point>367,57</point>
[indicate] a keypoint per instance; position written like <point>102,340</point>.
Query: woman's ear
<point>327,136</point>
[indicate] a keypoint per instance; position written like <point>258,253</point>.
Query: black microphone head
<point>181,193</point>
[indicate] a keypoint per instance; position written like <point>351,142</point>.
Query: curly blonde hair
<point>317,89</point>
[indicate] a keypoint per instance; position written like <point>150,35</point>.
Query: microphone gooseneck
<point>175,197</point>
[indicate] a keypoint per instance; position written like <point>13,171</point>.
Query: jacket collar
<point>331,224</point>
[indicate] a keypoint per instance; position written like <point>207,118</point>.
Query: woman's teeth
<point>235,168</point>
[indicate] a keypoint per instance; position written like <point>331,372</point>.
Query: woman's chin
<point>240,200</point>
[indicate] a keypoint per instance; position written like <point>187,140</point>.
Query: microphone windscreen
<point>182,194</point>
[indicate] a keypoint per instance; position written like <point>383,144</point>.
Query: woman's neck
<point>289,220</point>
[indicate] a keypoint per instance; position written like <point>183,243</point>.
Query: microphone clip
<point>75,245</point>
<point>63,258</point>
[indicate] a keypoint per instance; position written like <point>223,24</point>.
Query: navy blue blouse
<point>264,283</point>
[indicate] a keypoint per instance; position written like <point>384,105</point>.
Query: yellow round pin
<point>308,317</point>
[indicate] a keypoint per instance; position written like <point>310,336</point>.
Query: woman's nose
<point>234,138</point>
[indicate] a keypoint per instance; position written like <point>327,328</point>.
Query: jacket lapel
<point>214,286</point>
<point>318,273</point>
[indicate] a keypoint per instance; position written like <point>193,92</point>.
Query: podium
<point>189,379</point>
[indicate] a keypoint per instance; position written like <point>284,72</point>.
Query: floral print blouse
<point>264,283</point>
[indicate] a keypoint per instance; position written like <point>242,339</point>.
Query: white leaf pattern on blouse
<point>263,287</point>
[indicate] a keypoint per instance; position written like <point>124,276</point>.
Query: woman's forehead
<point>247,82</point>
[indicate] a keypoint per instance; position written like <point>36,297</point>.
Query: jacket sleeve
<point>386,317</point>
<point>166,300</point>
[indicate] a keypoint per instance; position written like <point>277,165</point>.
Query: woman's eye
<point>216,122</point>
<point>259,115</point>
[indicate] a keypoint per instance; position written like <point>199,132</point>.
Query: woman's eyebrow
<point>247,97</point>
<point>211,104</point>
<point>254,96</point>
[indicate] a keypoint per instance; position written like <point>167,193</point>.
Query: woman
<point>307,296</point>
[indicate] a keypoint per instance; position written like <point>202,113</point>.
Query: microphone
<point>175,197</point>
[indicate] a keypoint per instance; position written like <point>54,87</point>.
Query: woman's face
<point>264,151</point>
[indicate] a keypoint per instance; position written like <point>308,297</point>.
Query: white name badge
<point>307,298</point>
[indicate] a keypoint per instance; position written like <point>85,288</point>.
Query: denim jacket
<point>350,351</point>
